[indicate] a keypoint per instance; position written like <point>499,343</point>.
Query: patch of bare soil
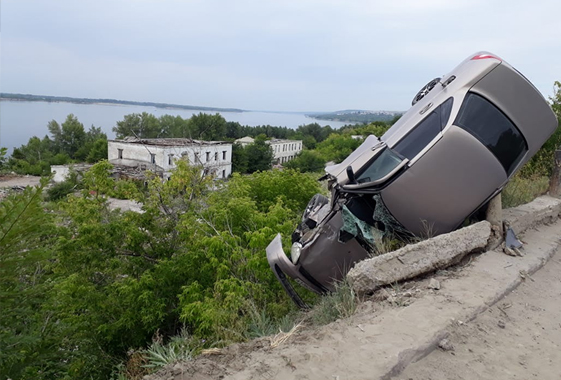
<point>518,338</point>
<point>9,181</point>
<point>15,183</point>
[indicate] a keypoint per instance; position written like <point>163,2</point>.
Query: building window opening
<point>153,158</point>
<point>223,173</point>
<point>170,159</point>
<point>120,153</point>
<point>215,156</point>
<point>207,156</point>
<point>223,154</point>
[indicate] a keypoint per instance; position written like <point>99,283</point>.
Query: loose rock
<point>434,284</point>
<point>446,345</point>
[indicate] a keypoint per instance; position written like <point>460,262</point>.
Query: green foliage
<point>97,152</point>
<point>316,131</point>
<point>341,303</point>
<point>116,279</point>
<point>3,153</point>
<point>240,160</point>
<point>521,190</point>
<point>62,189</point>
<point>260,155</point>
<point>142,125</point>
<point>70,142</point>
<point>179,348</point>
<point>377,128</point>
<point>307,161</point>
<point>25,247</point>
<point>208,127</point>
<point>337,147</point>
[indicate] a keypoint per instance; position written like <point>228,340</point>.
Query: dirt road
<point>518,338</point>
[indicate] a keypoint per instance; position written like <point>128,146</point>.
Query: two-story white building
<point>159,155</point>
<point>283,150</point>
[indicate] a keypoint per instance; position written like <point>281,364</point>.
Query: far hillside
<point>358,116</point>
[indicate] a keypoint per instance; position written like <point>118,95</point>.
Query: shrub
<point>341,303</point>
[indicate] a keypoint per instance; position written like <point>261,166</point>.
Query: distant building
<point>159,155</point>
<point>244,141</point>
<point>283,150</point>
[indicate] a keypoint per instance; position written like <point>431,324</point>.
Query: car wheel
<point>425,90</point>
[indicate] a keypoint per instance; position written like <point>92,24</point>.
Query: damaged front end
<point>336,233</point>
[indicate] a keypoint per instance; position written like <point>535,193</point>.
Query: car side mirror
<point>351,175</point>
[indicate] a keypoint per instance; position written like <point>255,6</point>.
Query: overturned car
<point>464,137</point>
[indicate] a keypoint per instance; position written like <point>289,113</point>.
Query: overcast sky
<point>285,55</point>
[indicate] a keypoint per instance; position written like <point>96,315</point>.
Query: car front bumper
<point>283,267</point>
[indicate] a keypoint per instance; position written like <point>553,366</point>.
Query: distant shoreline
<point>65,99</point>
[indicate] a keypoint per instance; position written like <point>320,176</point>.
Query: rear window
<point>416,140</point>
<point>493,129</point>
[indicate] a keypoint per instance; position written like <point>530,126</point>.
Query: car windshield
<point>380,166</point>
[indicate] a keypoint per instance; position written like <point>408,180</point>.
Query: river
<point>20,120</point>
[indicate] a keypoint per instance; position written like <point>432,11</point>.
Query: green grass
<point>341,303</point>
<point>522,190</point>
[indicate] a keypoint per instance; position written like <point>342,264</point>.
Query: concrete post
<point>494,216</point>
<point>554,185</point>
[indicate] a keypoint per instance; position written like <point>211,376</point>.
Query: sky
<point>282,55</point>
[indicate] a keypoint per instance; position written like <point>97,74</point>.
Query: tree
<point>142,125</point>
<point>26,239</point>
<point>208,127</point>
<point>174,126</point>
<point>98,151</point>
<point>3,152</point>
<point>72,136</point>
<point>307,161</point>
<point>260,155</point>
<point>240,160</point>
<point>337,147</point>
<point>315,130</point>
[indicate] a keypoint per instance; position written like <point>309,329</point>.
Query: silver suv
<point>464,137</point>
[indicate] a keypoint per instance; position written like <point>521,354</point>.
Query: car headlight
<point>295,252</point>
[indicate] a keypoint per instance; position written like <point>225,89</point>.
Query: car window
<point>492,128</point>
<point>416,140</point>
<point>445,110</point>
<point>382,164</point>
<point>419,137</point>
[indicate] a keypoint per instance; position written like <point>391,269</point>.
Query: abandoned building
<point>159,155</point>
<point>283,150</point>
